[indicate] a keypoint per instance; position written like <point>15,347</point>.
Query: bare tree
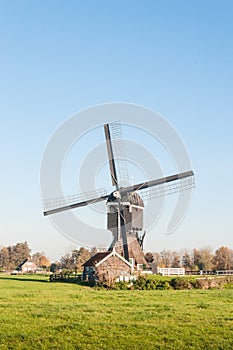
<point>187,261</point>
<point>203,258</point>
<point>157,259</point>
<point>44,262</point>
<point>36,258</point>
<point>175,260</point>
<point>166,258</point>
<point>76,258</point>
<point>12,256</point>
<point>223,259</point>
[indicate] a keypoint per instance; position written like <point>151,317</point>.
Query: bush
<point>229,280</point>
<point>140,283</point>
<point>121,285</point>
<point>183,283</point>
<point>163,285</point>
<point>146,283</point>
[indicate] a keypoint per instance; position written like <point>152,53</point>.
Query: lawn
<point>36,314</point>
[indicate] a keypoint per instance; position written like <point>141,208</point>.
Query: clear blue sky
<point>175,57</point>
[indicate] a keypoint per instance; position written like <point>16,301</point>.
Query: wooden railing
<point>203,272</point>
<point>60,277</point>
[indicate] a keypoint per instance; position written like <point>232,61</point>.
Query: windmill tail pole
<point>123,230</point>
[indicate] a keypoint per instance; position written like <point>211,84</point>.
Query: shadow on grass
<point>23,279</point>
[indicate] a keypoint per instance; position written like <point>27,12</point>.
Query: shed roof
<point>96,258</point>
<point>99,258</point>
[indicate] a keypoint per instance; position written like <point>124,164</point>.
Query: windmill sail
<point>164,185</point>
<point>115,149</point>
<point>119,154</point>
<point>167,188</point>
<point>112,164</point>
<point>57,205</point>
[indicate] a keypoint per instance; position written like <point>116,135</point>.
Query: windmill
<point>125,205</point>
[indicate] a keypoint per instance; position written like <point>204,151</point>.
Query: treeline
<point>197,259</point>
<point>194,260</point>
<point>12,256</point>
<point>74,260</point>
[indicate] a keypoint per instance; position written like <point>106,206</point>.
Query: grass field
<point>36,314</point>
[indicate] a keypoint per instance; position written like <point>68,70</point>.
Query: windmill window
<point>140,267</point>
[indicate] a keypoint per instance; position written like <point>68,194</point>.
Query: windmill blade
<point>161,181</point>
<point>58,205</point>
<point>119,154</point>
<point>168,188</point>
<point>116,156</point>
<point>110,156</point>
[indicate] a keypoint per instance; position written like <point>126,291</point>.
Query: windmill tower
<point>125,205</point>
<point>133,207</point>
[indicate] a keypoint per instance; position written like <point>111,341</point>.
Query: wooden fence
<point>60,277</point>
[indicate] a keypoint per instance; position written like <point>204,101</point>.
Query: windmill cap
<point>131,197</point>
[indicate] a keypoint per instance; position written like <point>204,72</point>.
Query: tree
<point>36,258</point>
<point>53,267</point>
<point>44,262</point>
<point>21,251</point>
<point>175,260</point>
<point>166,258</point>
<point>67,262</point>
<point>157,259</point>
<point>231,257</point>
<point>5,259</point>
<point>149,257</point>
<point>12,256</point>
<point>76,258</point>
<point>203,258</point>
<point>187,261</point>
<point>222,259</point>
<point>82,256</point>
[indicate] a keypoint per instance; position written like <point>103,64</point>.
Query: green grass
<point>36,314</point>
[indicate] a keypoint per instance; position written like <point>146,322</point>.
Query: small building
<point>107,267</point>
<point>26,266</point>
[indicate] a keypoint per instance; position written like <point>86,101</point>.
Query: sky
<point>58,58</point>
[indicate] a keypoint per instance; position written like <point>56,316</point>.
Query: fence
<point>204,272</point>
<point>224,272</point>
<point>168,271</point>
<point>59,277</point>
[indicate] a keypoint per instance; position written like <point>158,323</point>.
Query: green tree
<point>53,267</point>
